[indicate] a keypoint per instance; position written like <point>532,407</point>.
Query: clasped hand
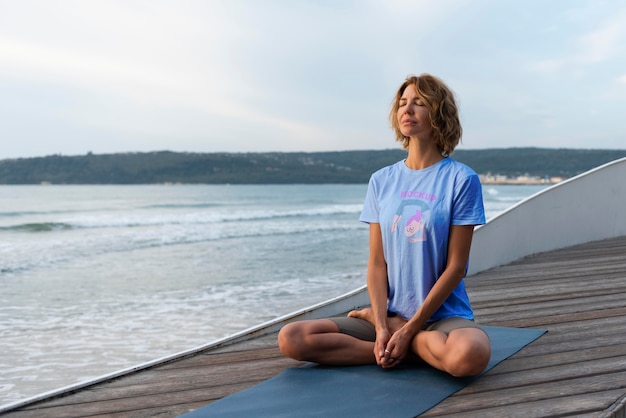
<point>389,349</point>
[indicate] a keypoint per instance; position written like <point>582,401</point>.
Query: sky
<point>303,75</point>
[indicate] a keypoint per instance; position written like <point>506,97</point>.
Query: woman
<point>421,213</point>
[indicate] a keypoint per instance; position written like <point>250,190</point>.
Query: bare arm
<point>377,287</point>
<point>458,254</point>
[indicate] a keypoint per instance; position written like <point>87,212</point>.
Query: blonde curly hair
<point>443,111</point>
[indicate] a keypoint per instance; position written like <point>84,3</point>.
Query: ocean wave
<point>16,214</point>
<point>211,217</point>
<point>182,206</point>
<point>147,219</point>
<point>17,257</point>
<point>38,227</point>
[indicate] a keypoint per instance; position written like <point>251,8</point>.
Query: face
<point>412,228</point>
<point>413,115</point>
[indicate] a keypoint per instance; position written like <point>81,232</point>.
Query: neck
<point>422,155</point>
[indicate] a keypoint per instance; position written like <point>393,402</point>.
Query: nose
<point>409,109</point>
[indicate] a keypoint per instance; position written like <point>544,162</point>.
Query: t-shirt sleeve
<point>370,212</point>
<point>468,202</point>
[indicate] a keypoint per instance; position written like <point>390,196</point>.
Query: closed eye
<point>416,102</point>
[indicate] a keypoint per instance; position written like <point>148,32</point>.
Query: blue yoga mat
<point>360,391</point>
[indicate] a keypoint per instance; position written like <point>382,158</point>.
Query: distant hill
<point>280,168</point>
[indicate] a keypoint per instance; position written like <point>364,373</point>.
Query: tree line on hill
<point>281,168</point>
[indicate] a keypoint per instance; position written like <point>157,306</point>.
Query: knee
<point>291,341</point>
<point>469,359</point>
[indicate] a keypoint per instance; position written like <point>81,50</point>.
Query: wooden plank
<point>575,405</point>
<point>165,379</point>
<point>242,354</point>
<point>534,272</point>
<point>542,321</point>
<point>562,306</point>
<point>548,374</point>
<point>515,364</point>
<point>501,398</point>
<point>483,296</point>
<point>130,406</point>
<point>485,303</point>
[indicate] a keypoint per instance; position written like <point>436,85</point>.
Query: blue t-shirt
<point>415,209</point>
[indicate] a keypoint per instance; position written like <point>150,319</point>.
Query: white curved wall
<point>588,207</point>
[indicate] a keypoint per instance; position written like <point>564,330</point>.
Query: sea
<point>95,279</point>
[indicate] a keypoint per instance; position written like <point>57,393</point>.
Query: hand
<point>396,350</point>
<point>382,338</point>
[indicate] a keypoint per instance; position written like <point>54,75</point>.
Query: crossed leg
<point>462,352</point>
<point>320,341</point>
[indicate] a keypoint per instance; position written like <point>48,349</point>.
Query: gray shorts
<point>363,330</point>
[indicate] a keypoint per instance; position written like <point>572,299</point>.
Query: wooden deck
<point>577,369</point>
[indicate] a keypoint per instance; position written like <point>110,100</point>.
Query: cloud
<point>304,75</point>
<point>604,43</point>
<point>198,79</point>
<point>587,45</point>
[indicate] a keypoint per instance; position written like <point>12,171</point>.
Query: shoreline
<point>518,183</point>
<point>520,180</point>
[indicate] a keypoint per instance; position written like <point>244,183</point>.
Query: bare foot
<point>394,322</point>
<point>365,313</point>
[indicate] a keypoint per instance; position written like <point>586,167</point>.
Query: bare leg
<point>321,342</point>
<point>464,352</point>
